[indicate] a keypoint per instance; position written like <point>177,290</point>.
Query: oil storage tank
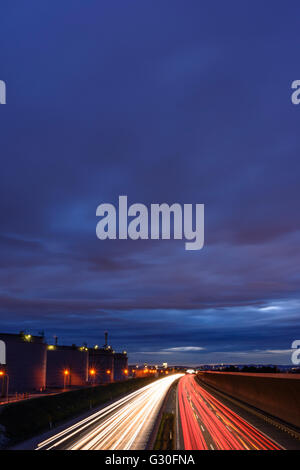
<point>67,366</point>
<point>101,365</point>
<point>120,366</point>
<point>24,362</point>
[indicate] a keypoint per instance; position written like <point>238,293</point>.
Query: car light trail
<point>208,424</point>
<point>123,425</point>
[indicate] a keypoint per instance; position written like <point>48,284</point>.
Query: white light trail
<point>125,424</point>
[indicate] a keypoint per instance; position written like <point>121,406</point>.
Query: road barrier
<point>275,394</point>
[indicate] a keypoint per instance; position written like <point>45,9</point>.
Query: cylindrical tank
<point>120,366</point>
<point>66,366</point>
<point>101,363</point>
<point>25,362</point>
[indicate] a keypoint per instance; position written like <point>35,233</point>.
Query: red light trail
<point>207,424</point>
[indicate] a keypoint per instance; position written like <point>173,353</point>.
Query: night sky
<point>162,101</point>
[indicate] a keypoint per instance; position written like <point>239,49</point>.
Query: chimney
<point>105,336</point>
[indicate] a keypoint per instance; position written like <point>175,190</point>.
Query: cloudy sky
<point>164,102</point>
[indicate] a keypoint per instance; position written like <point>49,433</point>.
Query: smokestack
<point>105,336</point>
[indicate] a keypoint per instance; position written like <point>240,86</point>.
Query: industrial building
<point>28,364</point>
<point>67,366</point>
<point>105,365</point>
<point>101,363</point>
<point>120,366</point>
<point>24,364</point>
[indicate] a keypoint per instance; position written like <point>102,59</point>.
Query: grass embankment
<point>22,420</point>
<point>165,439</point>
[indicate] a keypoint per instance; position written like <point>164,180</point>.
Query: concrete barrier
<point>275,394</point>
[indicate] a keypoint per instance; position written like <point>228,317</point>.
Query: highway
<point>123,425</point>
<point>207,424</point>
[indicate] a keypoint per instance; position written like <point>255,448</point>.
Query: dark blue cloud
<point>168,103</point>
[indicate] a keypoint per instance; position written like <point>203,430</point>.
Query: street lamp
<point>3,375</point>
<point>66,376</point>
<point>93,375</point>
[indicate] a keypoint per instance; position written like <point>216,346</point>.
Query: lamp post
<point>93,375</point>
<point>3,375</point>
<point>66,375</point>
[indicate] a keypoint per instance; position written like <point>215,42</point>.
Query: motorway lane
<point>207,424</point>
<point>124,425</point>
